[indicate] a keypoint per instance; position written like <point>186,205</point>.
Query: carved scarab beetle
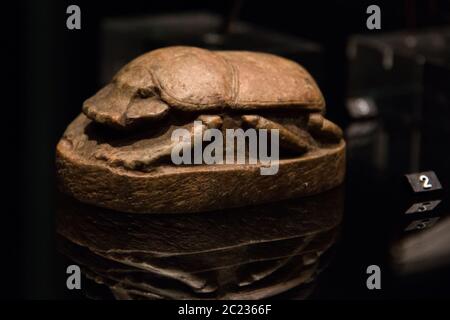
<point>126,167</point>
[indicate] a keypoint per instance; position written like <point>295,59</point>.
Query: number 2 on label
<point>426,181</point>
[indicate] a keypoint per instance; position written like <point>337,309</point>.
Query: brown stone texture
<point>117,154</point>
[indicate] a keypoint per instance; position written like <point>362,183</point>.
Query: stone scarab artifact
<point>117,153</point>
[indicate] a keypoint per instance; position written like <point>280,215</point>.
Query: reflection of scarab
<point>245,253</point>
<point>170,88</point>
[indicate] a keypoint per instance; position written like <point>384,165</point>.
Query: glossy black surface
<point>246,253</point>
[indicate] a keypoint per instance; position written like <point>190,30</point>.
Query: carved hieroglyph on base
<point>116,154</point>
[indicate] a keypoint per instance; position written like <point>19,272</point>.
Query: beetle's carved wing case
<point>264,80</point>
<point>194,79</point>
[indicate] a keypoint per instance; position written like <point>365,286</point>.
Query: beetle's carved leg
<point>211,121</point>
<point>148,151</point>
<point>323,128</point>
<point>288,139</point>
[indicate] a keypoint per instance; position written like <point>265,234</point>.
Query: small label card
<point>423,206</point>
<point>423,181</point>
<point>421,224</point>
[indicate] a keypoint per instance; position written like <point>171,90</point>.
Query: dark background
<point>59,69</point>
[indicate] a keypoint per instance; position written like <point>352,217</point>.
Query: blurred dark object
<point>403,78</point>
<point>125,38</point>
<point>362,107</point>
<point>399,67</point>
<point>423,250</point>
<point>421,258</point>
